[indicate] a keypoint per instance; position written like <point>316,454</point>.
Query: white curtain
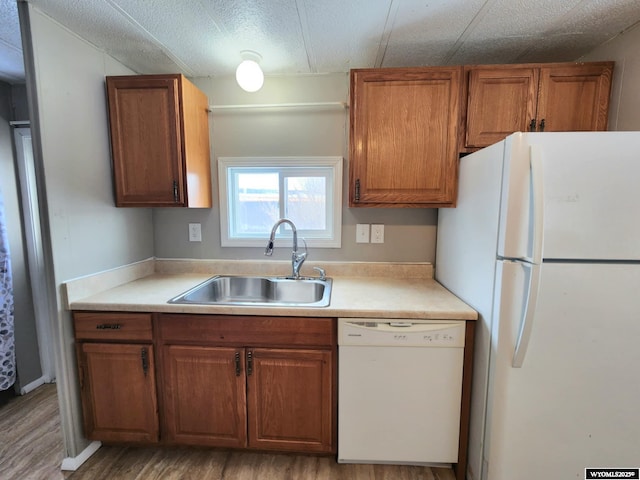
<point>7,343</point>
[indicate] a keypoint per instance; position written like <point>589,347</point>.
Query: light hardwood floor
<point>31,449</point>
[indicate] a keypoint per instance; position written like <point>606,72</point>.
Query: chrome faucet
<point>297,259</point>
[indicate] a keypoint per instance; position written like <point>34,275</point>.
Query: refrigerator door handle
<point>526,325</point>
<point>535,162</point>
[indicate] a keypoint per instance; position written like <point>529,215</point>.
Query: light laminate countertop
<point>386,290</point>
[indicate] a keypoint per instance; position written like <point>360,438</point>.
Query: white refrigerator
<point>545,245</point>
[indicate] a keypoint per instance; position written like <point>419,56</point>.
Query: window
<point>255,192</point>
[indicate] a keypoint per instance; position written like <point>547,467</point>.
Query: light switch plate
<point>377,233</point>
<point>362,233</point>
<point>195,232</point>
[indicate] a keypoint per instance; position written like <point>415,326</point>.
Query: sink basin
<point>259,291</point>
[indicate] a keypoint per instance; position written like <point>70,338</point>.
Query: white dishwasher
<point>399,390</point>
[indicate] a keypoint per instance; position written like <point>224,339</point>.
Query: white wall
<point>624,111</point>
<point>410,234</point>
<point>88,234</point>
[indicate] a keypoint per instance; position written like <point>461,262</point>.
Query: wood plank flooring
<point>30,439</point>
<point>31,449</point>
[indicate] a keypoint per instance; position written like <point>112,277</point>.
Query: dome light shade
<point>249,74</point>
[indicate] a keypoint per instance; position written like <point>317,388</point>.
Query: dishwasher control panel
<point>401,332</point>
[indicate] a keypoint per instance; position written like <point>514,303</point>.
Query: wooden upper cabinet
<point>502,99</point>
<point>403,136</point>
<point>574,98</point>
<point>159,129</point>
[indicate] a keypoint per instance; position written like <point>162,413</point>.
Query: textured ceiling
<point>205,37</point>
<point>11,67</point>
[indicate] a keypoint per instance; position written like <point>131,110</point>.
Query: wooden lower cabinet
<point>118,392</point>
<point>289,401</point>
<point>204,396</point>
<point>266,383</point>
<point>219,389</point>
<point>117,374</point>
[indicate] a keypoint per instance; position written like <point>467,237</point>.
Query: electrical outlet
<point>362,233</point>
<point>377,233</point>
<point>195,232</point>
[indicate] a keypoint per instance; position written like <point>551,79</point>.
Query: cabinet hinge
<point>81,376</point>
<point>542,125</point>
<point>357,193</point>
<point>249,362</point>
<point>532,125</point>
<point>175,191</point>
<point>144,356</point>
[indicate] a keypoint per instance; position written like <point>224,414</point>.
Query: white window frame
<point>335,210</point>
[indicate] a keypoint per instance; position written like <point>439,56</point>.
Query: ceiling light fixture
<point>249,74</point>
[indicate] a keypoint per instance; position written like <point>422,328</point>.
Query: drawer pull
<point>108,326</point>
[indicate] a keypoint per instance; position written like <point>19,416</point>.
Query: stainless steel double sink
<point>259,291</point>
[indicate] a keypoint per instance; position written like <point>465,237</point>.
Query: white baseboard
<point>29,387</point>
<point>73,463</point>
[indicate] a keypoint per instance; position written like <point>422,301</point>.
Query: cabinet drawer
<point>112,326</point>
<point>247,330</point>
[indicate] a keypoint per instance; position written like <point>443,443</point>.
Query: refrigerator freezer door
<point>591,195</point>
<point>574,403</point>
<point>590,185</point>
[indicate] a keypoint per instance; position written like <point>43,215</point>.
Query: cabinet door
<point>403,142</point>
<point>118,392</point>
<point>146,140</point>
<point>500,101</point>
<point>574,98</point>
<point>204,395</point>
<point>290,399</point>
